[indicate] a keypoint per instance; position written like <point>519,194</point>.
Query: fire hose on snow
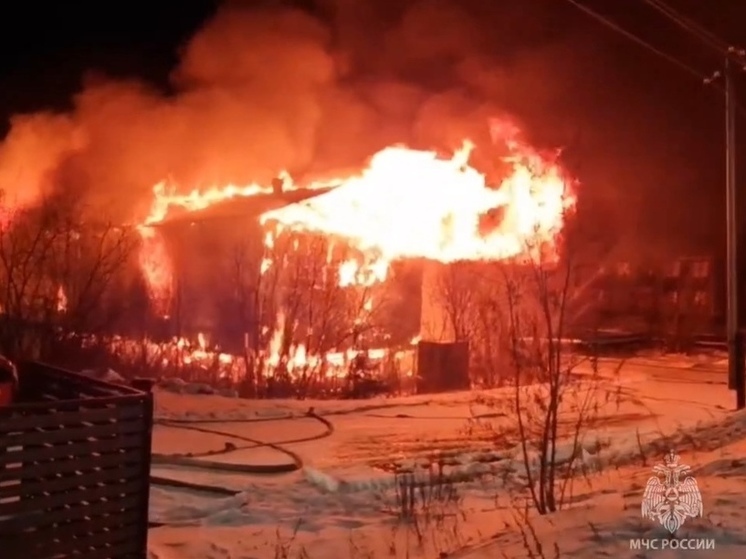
<point>197,461</point>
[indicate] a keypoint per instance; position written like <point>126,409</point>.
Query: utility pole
<point>734,58</point>
<point>736,363</point>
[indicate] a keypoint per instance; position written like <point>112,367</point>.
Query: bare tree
<point>256,268</point>
<point>555,400</point>
<point>330,304</point>
<point>473,313</point>
<point>29,295</point>
<point>59,274</point>
<point>290,296</point>
<point>457,294</point>
<point>536,302</point>
<point>90,259</point>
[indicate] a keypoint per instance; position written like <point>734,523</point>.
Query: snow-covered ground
<point>344,501</point>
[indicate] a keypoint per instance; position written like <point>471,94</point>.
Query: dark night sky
<point>642,135</point>
<point>48,46</point>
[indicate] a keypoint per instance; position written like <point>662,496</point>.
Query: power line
<point>691,26</point>
<point>737,55</point>
<point>634,38</point>
<point>712,79</point>
<point>732,56</point>
<point>733,328</point>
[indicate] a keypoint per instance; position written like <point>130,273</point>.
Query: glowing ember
<point>61,299</point>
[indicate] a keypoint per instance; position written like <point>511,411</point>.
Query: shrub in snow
<point>321,480</point>
<point>106,375</point>
<point>172,384</point>
<point>198,388</point>
<point>180,386</point>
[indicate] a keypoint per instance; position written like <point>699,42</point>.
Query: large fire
<point>405,204</point>
<point>411,204</point>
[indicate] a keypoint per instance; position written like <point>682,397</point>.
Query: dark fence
<point>74,468</point>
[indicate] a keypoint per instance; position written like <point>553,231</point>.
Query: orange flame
<point>156,268</point>
<point>410,204</point>
<point>61,299</point>
<point>406,204</point>
<point>154,260</point>
<point>179,352</point>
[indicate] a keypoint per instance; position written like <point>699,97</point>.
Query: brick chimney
<point>277,185</point>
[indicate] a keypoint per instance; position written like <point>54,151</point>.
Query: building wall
<point>680,293</point>
<point>206,256</point>
<point>436,325</point>
<point>207,260</point>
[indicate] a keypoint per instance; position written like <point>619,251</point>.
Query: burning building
<point>260,90</point>
<point>256,91</point>
<point>246,265</point>
<point>209,253</point>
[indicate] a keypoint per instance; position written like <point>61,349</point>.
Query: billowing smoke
<point>261,91</point>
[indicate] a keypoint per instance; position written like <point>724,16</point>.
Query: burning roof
<point>406,204</point>
<point>240,207</point>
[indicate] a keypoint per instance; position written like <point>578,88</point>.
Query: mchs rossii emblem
<point>671,495</point>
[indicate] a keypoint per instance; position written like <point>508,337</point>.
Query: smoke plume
<point>259,91</point>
